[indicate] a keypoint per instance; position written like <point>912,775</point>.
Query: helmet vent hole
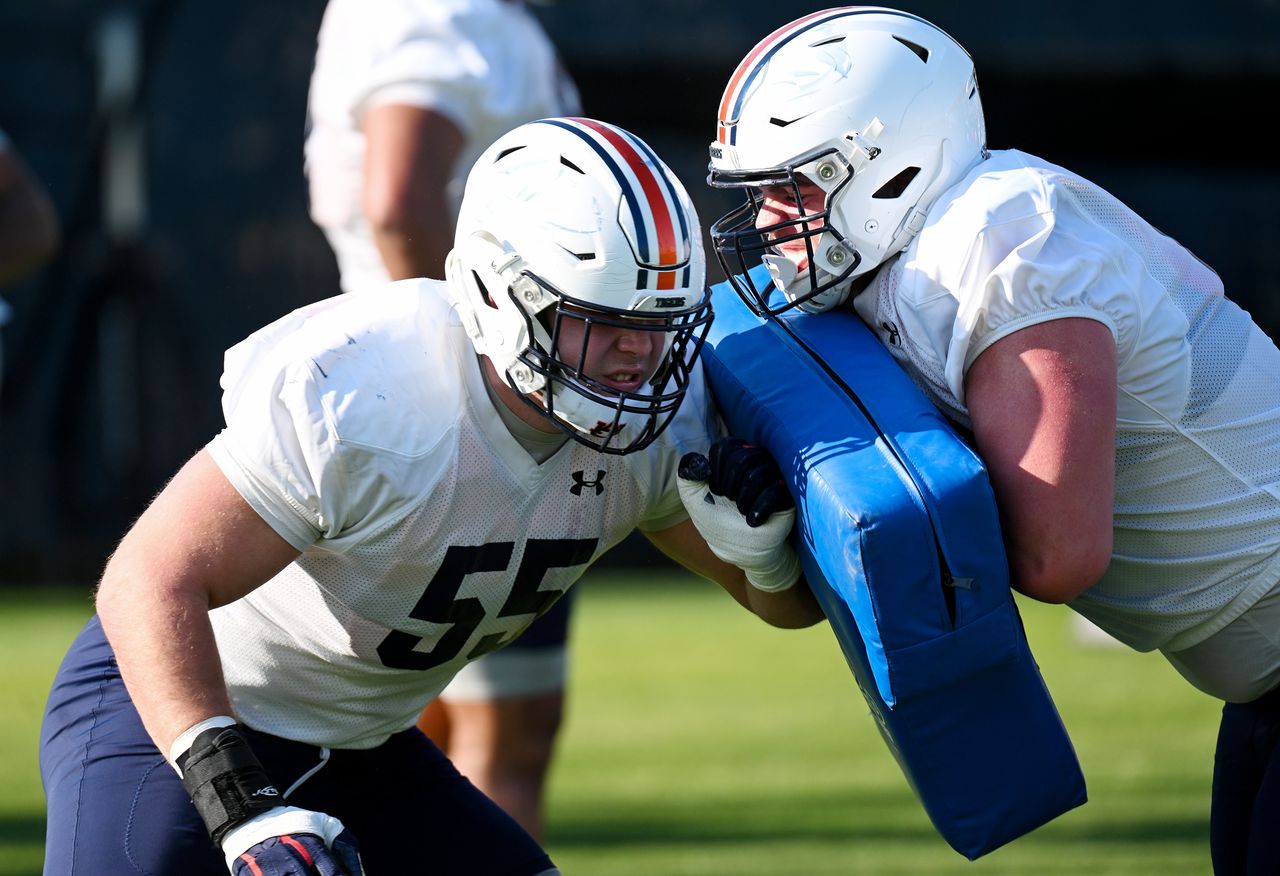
<point>896,186</point>
<point>920,50</point>
<point>835,39</point>
<point>580,256</point>
<point>488,299</point>
<point>505,152</point>
<point>569,164</point>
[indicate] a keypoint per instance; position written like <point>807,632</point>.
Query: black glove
<point>744,474</point>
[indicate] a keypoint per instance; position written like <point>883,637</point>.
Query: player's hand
<point>739,503</point>
<point>287,841</point>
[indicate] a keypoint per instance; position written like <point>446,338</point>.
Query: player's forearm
<point>165,648</point>
<point>409,252</point>
<point>29,233</point>
<point>791,608</point>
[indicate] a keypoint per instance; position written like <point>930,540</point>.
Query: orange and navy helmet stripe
<point>662,230</point>
<point>755,61</point>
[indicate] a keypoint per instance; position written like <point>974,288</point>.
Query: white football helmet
<point>876,106</point>
<point>571,218</point>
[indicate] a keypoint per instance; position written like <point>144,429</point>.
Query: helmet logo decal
<point>754,62</point>
<point>758,58</point>
<point>650,199</point>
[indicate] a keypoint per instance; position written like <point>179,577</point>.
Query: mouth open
<point>624,380</point>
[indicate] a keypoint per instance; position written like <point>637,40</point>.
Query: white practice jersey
<point>486,64</point>
<point>360,428</point>
<point>1020,241</point>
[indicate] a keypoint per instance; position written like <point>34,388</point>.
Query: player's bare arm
<point>738,531</point>
<point>1043,405</point>
<point>792,608</point>
<point>199,545</point>
<point>29,227</point>
<point>409,157</point>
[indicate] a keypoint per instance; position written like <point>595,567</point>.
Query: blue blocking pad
<point>900,541</point>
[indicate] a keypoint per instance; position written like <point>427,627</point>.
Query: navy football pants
<point>1244,834</point>
<point>115,806</point>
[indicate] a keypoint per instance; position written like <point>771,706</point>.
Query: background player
<point>30,231</point>
<point>1127,411</point>
<point>404,97</point>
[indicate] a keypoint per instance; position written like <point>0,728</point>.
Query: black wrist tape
<point>226,782</point>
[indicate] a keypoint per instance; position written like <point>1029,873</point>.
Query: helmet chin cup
<point>797,286</point>
<point>784,273</point>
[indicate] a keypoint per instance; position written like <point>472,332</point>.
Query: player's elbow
<point>388,215</point>
<point>792,609</point>
<point>1062,575</point>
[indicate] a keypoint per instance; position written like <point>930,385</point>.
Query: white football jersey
<point>1020,241</point>
<point>486,64</point>
<point>359,427</point>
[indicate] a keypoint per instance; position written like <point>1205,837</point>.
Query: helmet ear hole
<point>896,186</point>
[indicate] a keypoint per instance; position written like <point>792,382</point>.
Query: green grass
<point>35,629</point>
<point>700,741</point>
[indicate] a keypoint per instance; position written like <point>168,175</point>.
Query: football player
<point>30,231</point>
<point>406,479</point>
<point>1127,411</point>
<point>403,99</point>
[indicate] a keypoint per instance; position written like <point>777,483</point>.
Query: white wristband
<point>277,822</point>
<point>762,552</point>
<point>779,577</point>
<point>186,737</point>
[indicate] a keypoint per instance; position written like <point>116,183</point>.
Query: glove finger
<point>347,851</point>
<point>729,456</point>
<point>694,467</point>
<point>286,855</point>
<point>774,498</point>
<point>718,454</point>
<point>753,480</point>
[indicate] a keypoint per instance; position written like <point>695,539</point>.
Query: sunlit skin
<point>622,359</point>
<point>779,205</point>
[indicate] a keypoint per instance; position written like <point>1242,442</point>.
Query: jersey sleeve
<point>325,432</point>
<point>1016,250</point>
<point>420,54</point>
<point>277,448</point>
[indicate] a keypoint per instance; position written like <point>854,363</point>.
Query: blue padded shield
<point>900,541</point>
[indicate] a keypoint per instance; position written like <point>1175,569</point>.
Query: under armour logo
<point>892,331</point>
<point>580,482</point>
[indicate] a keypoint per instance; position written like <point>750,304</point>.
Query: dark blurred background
<point>170,136</point>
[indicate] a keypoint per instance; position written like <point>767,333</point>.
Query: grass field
<point>700,741</point>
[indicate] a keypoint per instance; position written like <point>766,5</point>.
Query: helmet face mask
<point>741,237</point>
<point>556,370</point>
<point>877,107</point>
<point>578,271</point>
